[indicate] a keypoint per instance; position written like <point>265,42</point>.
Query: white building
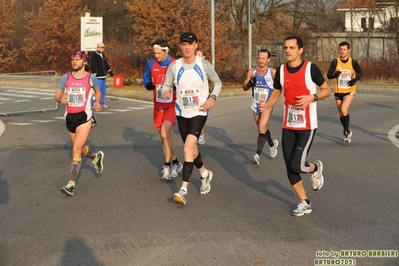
<point>370,15</point>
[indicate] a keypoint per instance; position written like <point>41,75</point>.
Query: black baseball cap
<point>189,37</point>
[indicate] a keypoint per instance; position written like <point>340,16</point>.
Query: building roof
<point>366,3</point>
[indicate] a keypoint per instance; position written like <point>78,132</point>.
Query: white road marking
<point>42,121</point>
<point>121,110</point>
<point>2,128</point>
<point>103,113</point>
<point>138,108</point>
<point>392,135</point>
<point>49,95</point>
<point>21,101</point>
<point>21,124</point>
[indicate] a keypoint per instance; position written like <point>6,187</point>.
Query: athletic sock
<point>269,138</point>
<point>184,189</point>
<point>204,174</point>
<point>260,143</point>
<point>75,168</point>
<point>345,119</point>
<point>305,201</point>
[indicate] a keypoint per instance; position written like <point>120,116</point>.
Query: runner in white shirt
<point>260,80</point>
<point>189,75</point>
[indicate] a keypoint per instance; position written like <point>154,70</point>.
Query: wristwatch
<point>315,97</point>
<point>213,96</point>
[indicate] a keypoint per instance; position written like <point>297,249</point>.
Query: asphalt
<point>228,90</point>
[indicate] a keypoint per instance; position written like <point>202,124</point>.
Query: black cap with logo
<point>189,37</point>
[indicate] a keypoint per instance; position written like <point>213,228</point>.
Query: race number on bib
<point>343,79</point>
<point>76,96</point>
<point>190,99</point>
<point>260,94</point>
<point>159,95</point>
<point>296,117</point>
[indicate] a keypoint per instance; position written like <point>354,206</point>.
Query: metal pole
<point>249,34</point>
<point>213,31</point>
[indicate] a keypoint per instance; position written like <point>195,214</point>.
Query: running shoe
<point>98,162</point>
<point>206,183</point>
<point>201,140</point>
<point>176,168</point>
<point>166,172</point>
<point>68,189</point>
<point>302,209</point>
<point>104,106</point>
<point>273,150</point>
<point>317,176</point>
<point>255,159</point>
<point>180,197</point>
<point>348,137</point>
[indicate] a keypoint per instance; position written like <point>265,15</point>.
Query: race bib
<point>260,94</point>
<point>159,98</point>
<point>190,99</point>
<point>76,96</point>
<point>296,117</point>
<point>343,79</point>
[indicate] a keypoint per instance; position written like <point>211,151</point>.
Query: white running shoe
<point>302,209</point>
<point>68,189</point>
<point>176,168</point>
<point>273,150</point>
<point>166,172</point>
<point>180,197</point>
<point>348,137</point>
<point>98,163</point>
<point>201,140</point>
<point>317,177</point>
<point>255,159</point>
<point>206,183</point>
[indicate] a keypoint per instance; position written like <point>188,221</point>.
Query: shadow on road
<point>76,252</point>
<point>4,190</point>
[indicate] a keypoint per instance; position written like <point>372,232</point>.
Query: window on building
<point>371,23</point>
<point>394,24</point>
<point>363,23</point>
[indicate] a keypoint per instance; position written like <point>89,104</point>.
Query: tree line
<point>40,35</point>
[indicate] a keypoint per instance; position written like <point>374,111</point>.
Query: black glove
<point>351,82</point>
<point>336,74</point>
<point>252,82</point>
<point>150,86</point>
<point>111,73</point>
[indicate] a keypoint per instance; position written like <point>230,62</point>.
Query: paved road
<point>126,216</point>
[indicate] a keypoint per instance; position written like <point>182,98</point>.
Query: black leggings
<point>296,145</point>
<point>191,125</point>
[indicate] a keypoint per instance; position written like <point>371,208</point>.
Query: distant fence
<point>28,92</point>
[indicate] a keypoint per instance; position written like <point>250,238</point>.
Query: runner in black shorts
<point>346,72</point>
<point>341,96</point>
<point>75,120</point>
<point>190,76</point>
<point>79,115</point>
